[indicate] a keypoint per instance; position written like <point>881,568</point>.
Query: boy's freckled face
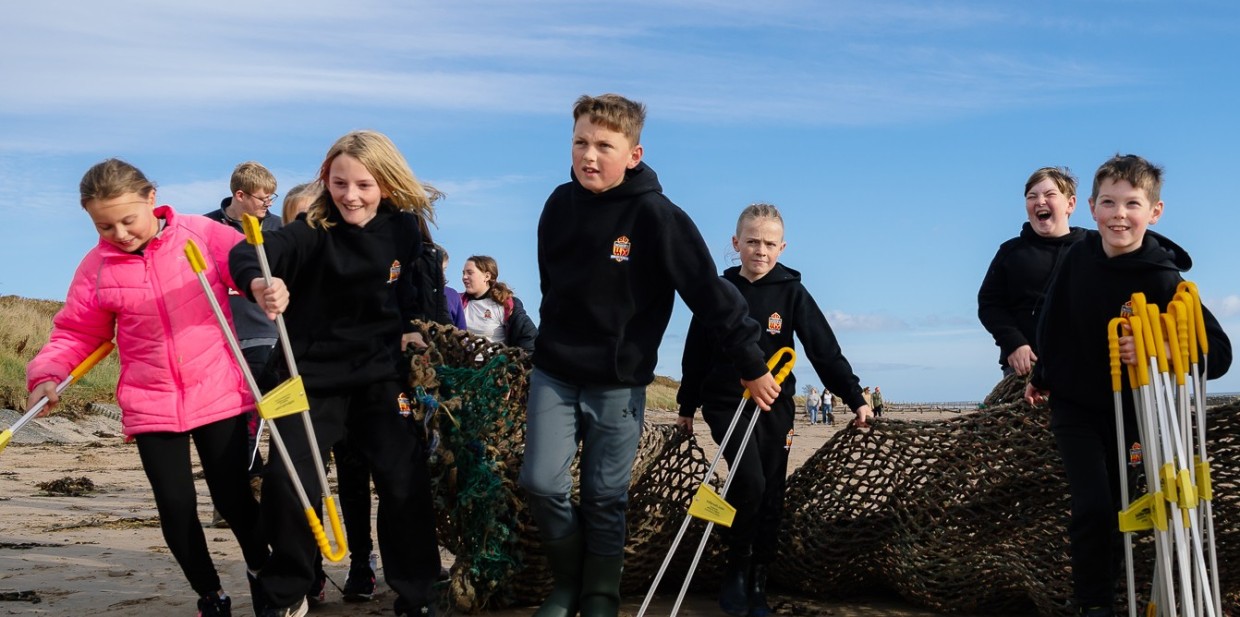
<point>127,222</point>
<point>1048,209</point>
<point>1123,212</point>
<point>601,155</point>
<point>760,243</point>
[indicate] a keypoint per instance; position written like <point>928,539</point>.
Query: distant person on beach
<point>812,402</point>
<point>612,254</point>
<point>253,189</point>
<point>179,381</point>
<point>491,310</point>
<point>1096,281</point>
<point>778,300</point>
<point>876,401</point>
<point>350,289</point>
<point>1016,280</point>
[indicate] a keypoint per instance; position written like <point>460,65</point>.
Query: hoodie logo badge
<point>487,314</point>
<point>403,405</point>
<point>774,324</point>
<point>1126,309</point>
<point>620,249</point>
<point>394,272</point>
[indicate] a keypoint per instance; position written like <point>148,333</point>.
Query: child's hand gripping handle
<point>774,362</point>
<point>78,371</point>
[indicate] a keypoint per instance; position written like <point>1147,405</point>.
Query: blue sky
<point>895,136</point>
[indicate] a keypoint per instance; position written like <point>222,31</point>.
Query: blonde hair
<point>614,112</point>
<point>112,178</point>
<point>251,176</point>
<point>1061,176</point>
<point>758,211</point>
<point>380,157</point>
<point>1137,171</point>
<point>499,292</point>
<point>301,192</point>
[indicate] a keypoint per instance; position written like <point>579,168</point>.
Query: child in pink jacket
<point>178,378</point>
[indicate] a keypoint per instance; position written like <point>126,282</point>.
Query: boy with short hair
<point>253,190</point>
<point>1016,280</point>
<point>612,253</point>
<point>1098,276</point>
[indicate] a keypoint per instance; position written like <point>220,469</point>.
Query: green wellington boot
<point>600,586</point>
<point>564,558</point>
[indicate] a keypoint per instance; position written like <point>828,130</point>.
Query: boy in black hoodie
<point>777,299</point>
<point>1098,276</point>
<point>1016,280</point>
<point>612,253</point>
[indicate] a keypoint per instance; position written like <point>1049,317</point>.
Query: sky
<point>895,137</point>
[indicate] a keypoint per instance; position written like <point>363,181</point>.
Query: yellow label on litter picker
<point>285,399</point>
<point>709,506</point>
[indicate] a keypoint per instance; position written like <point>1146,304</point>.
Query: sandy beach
<point>101,553</point>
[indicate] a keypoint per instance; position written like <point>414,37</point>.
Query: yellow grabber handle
<point>253,229</point>
<point>1154,330</point>
<point>1113,330</point>
<point>1173,346</point>
<point>78,371</point>
<point>1199,319</point>
<point>1136,324</point>
<point>774,362</point>
<point>1183,318</point>
<point>289,398</point>
<point>1190,319</point>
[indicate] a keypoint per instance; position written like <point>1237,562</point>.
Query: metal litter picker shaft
<point>78,371</point>
<point>286,399</point>
<point>706,504</point>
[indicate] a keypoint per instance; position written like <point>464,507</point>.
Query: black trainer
<point>215,606</point>
<point>359,586</point>
<point>318,589</point>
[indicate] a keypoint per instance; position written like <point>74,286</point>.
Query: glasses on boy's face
<point>265,200</point>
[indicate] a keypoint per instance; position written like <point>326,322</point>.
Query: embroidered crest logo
<point>487,314</point>
<point>403,405</point>
<point>394,272</point>
<point>774,324</point>
<point>1126,309</point>
<point>620,249</point>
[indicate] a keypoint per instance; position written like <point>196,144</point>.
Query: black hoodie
<point>781,303</point>
<point>350,293</point>
<point>1015,284</point>
<point>609,265</point>
<point>1087,292</point>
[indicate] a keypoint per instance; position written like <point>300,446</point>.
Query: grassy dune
<point>24,327</point>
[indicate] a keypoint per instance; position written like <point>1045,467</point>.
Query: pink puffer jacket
<point>177,372</point>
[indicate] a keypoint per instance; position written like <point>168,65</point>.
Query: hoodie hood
<point>778,275</point>
<point>637,181</point>
<point>1156,250</point>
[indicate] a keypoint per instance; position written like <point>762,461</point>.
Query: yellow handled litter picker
<point>284,400</point>
<point>708,506</point>
<point>78,371</point>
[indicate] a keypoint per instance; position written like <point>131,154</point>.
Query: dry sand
<point>103,554</point>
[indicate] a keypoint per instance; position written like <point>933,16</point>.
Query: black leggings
<point>221,449</point>
<point>758,490</point>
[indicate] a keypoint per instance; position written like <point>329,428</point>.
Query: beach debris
<point>68,486</point>
<point>28,595</point>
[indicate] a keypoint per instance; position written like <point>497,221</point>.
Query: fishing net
<point>965,515</point>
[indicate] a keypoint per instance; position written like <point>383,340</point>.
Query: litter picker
<point>707,505</point>
<point>78,371</point>
<point>286,399</point>
<point>1121,447</point>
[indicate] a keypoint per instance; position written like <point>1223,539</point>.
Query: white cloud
<point>864,322</point>
<point>1226,307</point>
